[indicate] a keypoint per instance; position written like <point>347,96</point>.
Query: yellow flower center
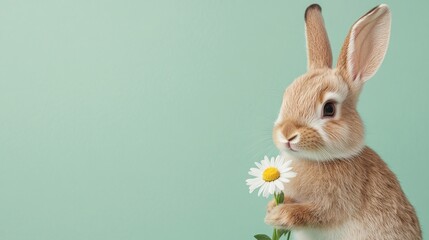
<point>271,174</point>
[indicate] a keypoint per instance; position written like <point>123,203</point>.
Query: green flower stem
<point>279,197</point>
<point>275,235</point>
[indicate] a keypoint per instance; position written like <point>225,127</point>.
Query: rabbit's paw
<point>292,215</point>
<point>279,216</point>
<point>272,204</point>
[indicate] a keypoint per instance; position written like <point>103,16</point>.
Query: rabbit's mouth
<point>288,145</point>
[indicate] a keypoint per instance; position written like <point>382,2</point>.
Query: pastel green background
<point>140,119</point>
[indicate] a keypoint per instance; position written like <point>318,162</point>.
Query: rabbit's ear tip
<point>383,5</point>
<point>311,7</point>
<point>314,5</point>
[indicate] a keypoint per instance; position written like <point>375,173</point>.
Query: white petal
<point>283,180</point>
<point>262,189</point>
<point>266,192</point>
<point>284,170</point>
<point>272,188</point>
<point>278,161</point>
<point>255,186</point>
<point>266,162</point>
<point>255,172</point>
<point>288,175</point>
<point>272,161</point>
<point>265,158</point>
<point>252,180</point>
<point>281,161</point>
<point>279,185</point>
<point>258,165</point>
<point>286,164</point>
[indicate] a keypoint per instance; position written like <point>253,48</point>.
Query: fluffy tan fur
<point>343,189</point>
<point>327,194</point>
<point>319,48</point>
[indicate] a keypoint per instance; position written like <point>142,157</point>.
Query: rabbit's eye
<point>329,109</point>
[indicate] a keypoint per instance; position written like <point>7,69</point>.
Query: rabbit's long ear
<point>365,45</point>
<point>319,54</point>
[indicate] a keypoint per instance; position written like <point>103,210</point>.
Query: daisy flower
<point>270,175</point>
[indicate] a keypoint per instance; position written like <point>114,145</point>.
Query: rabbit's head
<point>318,118</point>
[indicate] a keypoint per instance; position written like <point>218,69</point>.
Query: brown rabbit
<point>343,189</point>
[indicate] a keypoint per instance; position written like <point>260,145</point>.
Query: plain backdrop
<point>140,119</point>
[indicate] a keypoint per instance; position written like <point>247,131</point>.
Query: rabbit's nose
<point>290,139</point>
<point>289,129</point>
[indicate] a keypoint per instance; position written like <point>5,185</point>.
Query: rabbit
<point>343,189</point>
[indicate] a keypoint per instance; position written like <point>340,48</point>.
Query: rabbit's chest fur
<point>347,231</point>
<point>361,197</point>
<point>336,184</point>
